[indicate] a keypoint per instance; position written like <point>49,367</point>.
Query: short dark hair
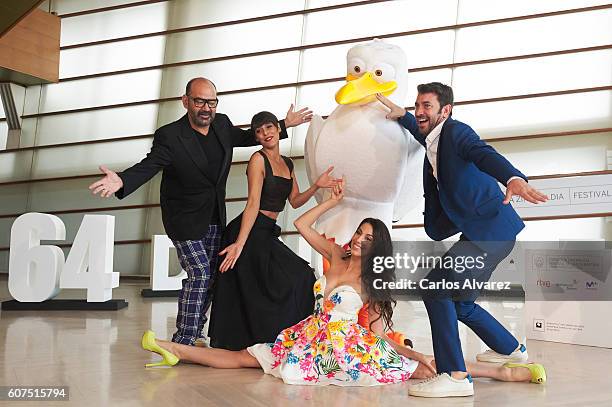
<point>442,91</point>
<point>262,118</point>
<point>192,80</point>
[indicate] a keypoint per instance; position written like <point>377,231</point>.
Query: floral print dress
<point>330,347</point>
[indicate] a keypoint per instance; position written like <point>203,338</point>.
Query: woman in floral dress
<point>330,347</point>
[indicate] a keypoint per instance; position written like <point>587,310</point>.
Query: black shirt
<point>214,153</point>
<point>275,189</point>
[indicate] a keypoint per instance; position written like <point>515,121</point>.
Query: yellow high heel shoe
<point>538,373</point>
<point>148,343</point>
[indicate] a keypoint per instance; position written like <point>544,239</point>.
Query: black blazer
<point>188,195</point>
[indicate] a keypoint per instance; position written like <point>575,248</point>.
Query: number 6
<point>34,270</point>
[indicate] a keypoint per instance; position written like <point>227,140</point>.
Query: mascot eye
<point>357,69</point>
<point>382,72</point>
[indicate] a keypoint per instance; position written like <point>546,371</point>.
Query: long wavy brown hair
<point>380,246</point>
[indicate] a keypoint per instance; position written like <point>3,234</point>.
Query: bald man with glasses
<point>194,154</point>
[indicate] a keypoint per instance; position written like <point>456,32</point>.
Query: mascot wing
<point>411,192</point>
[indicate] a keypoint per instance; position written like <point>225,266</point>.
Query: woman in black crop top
<point>262,286</point>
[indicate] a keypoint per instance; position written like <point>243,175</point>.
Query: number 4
<point>92,249</point>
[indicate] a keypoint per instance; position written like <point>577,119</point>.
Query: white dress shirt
<point>431,141</point>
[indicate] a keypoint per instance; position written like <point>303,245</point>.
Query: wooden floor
<point>97,354</point>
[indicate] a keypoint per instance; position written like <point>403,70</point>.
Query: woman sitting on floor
<point>329,346</point>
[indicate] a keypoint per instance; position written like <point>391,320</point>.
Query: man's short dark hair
<point>188,86</point>
<point>442,91</point>
<point>262,118</point>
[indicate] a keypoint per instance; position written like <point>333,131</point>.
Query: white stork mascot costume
<point>381,161</point>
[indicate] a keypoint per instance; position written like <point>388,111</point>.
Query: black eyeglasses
<point>199,102</point>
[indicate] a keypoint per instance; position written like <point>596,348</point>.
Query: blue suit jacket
<point>466,197</point>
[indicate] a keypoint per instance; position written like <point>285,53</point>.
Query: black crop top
<point>275,190</point>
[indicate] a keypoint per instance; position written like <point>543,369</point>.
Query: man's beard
<point>203,119</point>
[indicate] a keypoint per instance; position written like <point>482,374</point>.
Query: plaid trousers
<point>199,259</point>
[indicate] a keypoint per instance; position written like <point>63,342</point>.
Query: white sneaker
<point>443,385</point>
<point>518,356</point>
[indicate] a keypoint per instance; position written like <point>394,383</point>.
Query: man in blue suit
<point>460,180</point>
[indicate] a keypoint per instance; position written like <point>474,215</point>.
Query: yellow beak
<point>356,90</point>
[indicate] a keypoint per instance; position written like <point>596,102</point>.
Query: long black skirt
<point>269,289</point>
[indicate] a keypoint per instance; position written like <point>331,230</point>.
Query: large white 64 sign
<point>37,272</point>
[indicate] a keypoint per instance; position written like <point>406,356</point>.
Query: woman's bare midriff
<point>269,214</point>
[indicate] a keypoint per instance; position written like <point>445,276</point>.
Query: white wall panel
<point>234,39</point>
<point>3,135</point>
<point>377,19</point>
<point>102,91</point>
<point>478,10</point>
<point>533,75</point>
<point>235,74</point>
<point>535,35</point>
<point>538,115</point>
<point>115,23</point>
<point>73,6</point>
<point>5,235</point>
<point>558,155</point>
<point>188,13</point>
<point>129,54</point>
<point>15,166</point>
<point>13,198</point>
<point>85,159</point>
<point>324,3</point>
<point>95,125</point>
<point>566,229</point>
<point>52,196</point>
<point>236,182</point>
<point>131,259</point>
